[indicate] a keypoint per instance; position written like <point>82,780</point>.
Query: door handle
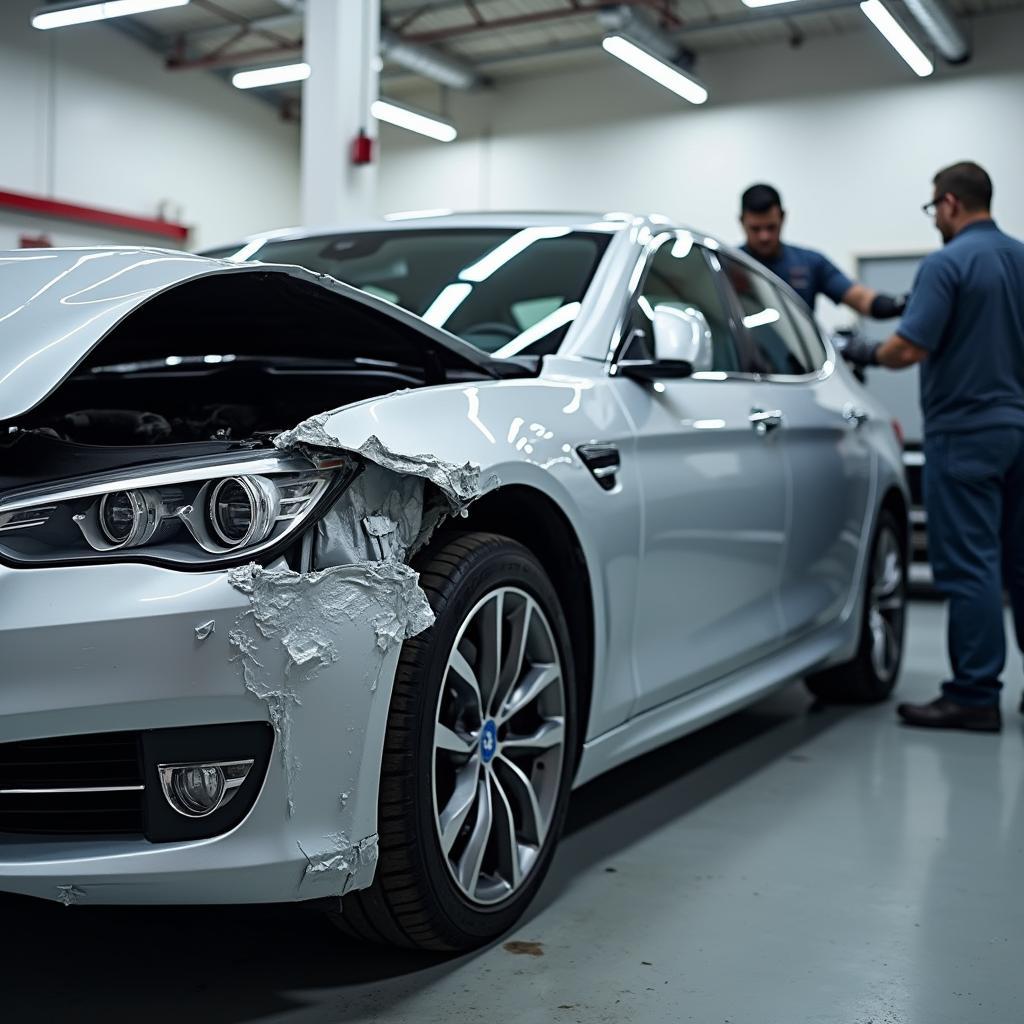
<point>763,421</point>
<point>854,415</point>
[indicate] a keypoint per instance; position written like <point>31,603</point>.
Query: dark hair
<point>968,182</point>
<point>760,199</point>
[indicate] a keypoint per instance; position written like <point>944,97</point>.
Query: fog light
<point>196,790</point>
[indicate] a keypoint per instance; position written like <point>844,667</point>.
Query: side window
<point>777,343</point>
<point>808,333</point>
<point>679,277</point>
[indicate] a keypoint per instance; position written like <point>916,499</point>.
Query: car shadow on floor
<point>232,964</point>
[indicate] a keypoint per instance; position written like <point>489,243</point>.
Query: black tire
<point>858,681</point>
<point>414,901</point>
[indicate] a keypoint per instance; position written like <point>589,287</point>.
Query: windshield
<point>506,291</point>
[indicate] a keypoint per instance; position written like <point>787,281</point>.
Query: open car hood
<point>57,305</point>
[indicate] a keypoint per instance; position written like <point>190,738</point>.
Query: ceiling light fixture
<point>879,16</point>
<point>413,120</point>
<point>668,75</point>
<point>80,14</point>
<point>278,75</point>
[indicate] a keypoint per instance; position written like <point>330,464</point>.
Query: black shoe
<point>946,714</point>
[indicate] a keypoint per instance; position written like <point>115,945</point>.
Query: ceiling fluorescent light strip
<point>672,78</point>
<point>80,14</point>
<point>413,121</point>
<point>879,16</point>
<point>259,77</point>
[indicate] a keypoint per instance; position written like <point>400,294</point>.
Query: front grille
<point>72,785</point>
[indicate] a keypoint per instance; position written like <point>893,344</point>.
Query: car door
<point>823,437</point>
<point>713,489</point>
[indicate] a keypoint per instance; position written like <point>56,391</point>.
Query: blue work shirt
<point>807,272</point>
<point>967,309</point>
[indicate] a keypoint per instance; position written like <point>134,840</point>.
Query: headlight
<point>199,514</point>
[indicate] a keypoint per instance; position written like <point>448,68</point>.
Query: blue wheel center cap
<point>488,740</point>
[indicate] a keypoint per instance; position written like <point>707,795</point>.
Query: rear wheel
<point>871,675</point>
<point>479,753</point>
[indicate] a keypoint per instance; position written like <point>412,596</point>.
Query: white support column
<point>342,46</point>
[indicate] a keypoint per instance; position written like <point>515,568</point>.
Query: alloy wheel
<point>499,743</point>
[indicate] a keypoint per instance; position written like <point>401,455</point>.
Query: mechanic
<point>964,324</point>
<point>807,272</point>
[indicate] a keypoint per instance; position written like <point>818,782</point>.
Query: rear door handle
<point>854,415</point>
<point>764,421</point>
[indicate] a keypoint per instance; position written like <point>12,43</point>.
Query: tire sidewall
<point>882,688</point>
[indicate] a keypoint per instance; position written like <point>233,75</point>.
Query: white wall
<point>89,116</point>
<point>849,136</point>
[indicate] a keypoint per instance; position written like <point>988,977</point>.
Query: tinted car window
<point>505,291</point>
<point>679,277</point>
<point>809,335</point>
<point>777,344</point>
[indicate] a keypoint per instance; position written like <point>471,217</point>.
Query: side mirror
<point>682,336</point>
<point>682,346</point>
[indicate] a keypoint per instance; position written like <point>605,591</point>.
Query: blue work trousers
<point>974,497</point>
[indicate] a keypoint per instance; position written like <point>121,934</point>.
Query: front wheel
<point>479,753</point>
<point>871,675</point>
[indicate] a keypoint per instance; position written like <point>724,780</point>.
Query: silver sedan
<point>583,484</point>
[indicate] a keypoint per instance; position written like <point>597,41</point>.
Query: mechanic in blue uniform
<point>964,324</point>
<point>807,272</point>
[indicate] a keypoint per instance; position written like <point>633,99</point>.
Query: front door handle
<point>764,421</point>
<point>854,415</point>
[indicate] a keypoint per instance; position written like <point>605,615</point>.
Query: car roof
<point>411,220</point>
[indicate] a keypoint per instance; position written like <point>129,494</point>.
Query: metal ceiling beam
<point>574,9</point>
<point>938,25</point>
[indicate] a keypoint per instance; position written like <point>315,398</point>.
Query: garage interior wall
<point>845,131</point>
<point>90,116</point>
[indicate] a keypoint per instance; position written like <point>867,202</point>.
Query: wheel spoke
<point>521,791</point>
<point>491,618</point>
<point>511,666</point>
<point>463,672</point>
<point>879,643</point>
<point>449,739</point>
<point>462,801</point>
<point>888,574</point>
<point>473,856</point>
<point>533,684</point>
<point>551,733</point>
<point>509,863</point>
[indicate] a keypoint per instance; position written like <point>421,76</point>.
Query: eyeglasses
<point>930,208</point>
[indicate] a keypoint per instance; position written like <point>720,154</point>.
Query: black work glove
<point>861,352</point>
<point>886,307</point>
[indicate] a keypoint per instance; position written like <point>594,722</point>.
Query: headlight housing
<point>198,514</point>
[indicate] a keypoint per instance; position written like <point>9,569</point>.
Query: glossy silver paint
<point>728,558</point>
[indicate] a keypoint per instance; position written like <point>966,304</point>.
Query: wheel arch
<point>536,521</point>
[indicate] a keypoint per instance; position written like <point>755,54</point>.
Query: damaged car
<point>331,562</point>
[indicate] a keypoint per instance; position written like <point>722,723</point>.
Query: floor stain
<point>524,948</point>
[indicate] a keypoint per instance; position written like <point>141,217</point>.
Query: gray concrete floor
<point>785,866</point>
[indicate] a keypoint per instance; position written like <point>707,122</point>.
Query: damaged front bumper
<point>129,649</point>
<point>132,649</point>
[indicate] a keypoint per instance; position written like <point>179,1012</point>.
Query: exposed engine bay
<point>220,364</point>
